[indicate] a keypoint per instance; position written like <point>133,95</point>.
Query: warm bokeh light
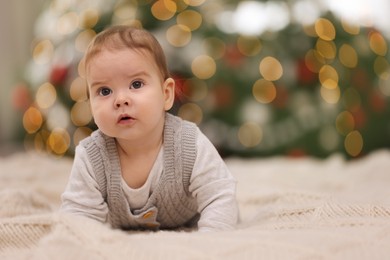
<point>203,67</point>
<point>214,47</point>
<point>43,52</point>
<point>80,113</point>
<point>378,43</point>
<point>190,18</point>
<point>191,112</point>
<point>382,67</point>
<point>78,89</point>
<point>89,18</point>
<point>350,28</point>
<point>125,11</point>
<point>164,9</point>
<point>314,60</point>
<point>326,49</point>
<point>325,29</point>
<point>32,120</point>
<point>58,141</point>
<point>194,2</point>
<point>345,123</point>
<point>46,95</point>
<point>264,91</point>
<point>83,39</point>
<point>328,77</point>
<point>249,45</point>
<point>67,23</point>
<point>250,134</point>
<point>270,68</point>
<point>348,56</point>
<point>331,96</point>
<point>353,143</point>
<point>178,35</point>
<point>80,133</point>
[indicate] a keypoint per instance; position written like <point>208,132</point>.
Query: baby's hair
<point>120,37</point>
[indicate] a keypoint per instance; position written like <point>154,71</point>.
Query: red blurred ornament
<point>360,118</point>
<point>377,101</point>
<point>233,57</point>
<point>21,98</point>
<point>58,75</point>
<point>281,98</point>
<point>304,75</point>
<point>296,153</point>
<point>223,95</point>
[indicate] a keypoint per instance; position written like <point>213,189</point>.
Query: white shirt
<point>211,184</point>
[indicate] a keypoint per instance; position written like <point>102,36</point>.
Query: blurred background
<point>260,78</point>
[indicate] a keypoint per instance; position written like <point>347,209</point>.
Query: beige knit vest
<point>173,204</point>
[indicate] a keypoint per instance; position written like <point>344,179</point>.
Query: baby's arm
<point>82,195</point>
<point>214,188</point>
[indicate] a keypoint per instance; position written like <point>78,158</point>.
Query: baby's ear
<point>169,93</point>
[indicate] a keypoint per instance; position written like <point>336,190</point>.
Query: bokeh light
<point>80,133</point>
<point>80,113</point>
<point>348,56</point>
<point>67,23</point>
<point>78,89</point>
<point>32,120</point>
<point>270,68</point>
<point>191,112</point>
<point>58,141</point>
<point>264,91</point>
<point>378,43</point>
<point>249,45</point>
<point>382,67</point>
<point>250,134</point>
<point>326,49</point>
<point>164,9</point>
<point>353,143</point>
<point>203,67</point>
<point>345,123</point>
<point>178,35</point>
<point>329,77</point>
<point>43,52</point>
<point>83,39</point>
<point>46,95</point>
<point>190,18</point>
<point>214,47</point>
<point>89,18</point>
<point>331,96</point>
<point>325,29</point>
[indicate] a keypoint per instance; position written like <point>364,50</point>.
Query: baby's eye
<point>136,84</point>
<point>104,91</point>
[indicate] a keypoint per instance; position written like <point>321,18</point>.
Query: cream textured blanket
<point>290,209</point>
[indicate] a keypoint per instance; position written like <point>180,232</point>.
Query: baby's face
<point>127,94</point>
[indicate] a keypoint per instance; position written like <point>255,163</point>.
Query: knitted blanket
<point>290,209</point>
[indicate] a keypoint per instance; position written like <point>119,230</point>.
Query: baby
<point>144,168</point>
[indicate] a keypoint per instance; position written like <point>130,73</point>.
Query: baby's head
<point>125,37</point>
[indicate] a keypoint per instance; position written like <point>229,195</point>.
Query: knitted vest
<point>170,205</point>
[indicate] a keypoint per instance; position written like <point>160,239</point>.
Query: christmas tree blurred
<point>255,82</point>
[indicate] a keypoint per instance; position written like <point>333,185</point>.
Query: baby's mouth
<point>124,118</point>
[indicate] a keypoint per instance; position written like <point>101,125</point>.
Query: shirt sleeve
<point>214,187</point>
<point>82,195</point>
